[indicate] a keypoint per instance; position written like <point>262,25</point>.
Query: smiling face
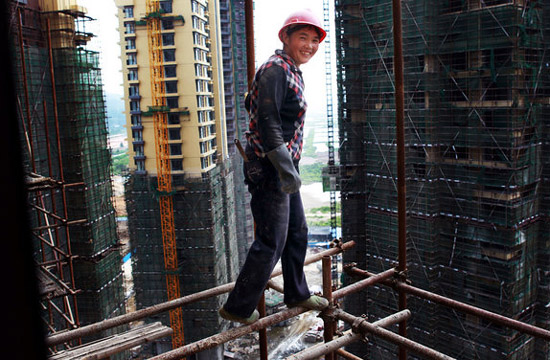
<point>301,44</point>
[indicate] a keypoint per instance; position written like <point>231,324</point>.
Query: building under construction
<point>188,219</point>
<point>61,114</point>
<point>477,111</point>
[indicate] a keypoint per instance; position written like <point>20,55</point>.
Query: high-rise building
<point>477,85</point>
<point>232,20</point>
<point>67,162</point>
<point>196,44</point>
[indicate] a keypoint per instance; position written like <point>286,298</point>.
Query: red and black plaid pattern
<point>296,84</point>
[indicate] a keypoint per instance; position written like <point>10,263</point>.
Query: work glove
<point>280,158</point>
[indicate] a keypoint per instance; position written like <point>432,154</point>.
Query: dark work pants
<point>281,233</point>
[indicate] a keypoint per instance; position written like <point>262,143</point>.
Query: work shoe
<point>313,303</point>
<point>247,321</point>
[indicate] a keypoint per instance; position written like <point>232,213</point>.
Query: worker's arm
<point>272,89</point>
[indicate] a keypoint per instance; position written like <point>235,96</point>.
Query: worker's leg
<point>270,208</point>
<point>294,253</point>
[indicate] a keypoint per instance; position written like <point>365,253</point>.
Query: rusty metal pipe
<point>355,287</point>
<point>363,325</point>
<point>347,355</point>
<point>60,338</point>
<point>249,28</point>
<point>272,285</point>
<point>466,308</point>
<point>218,339</point>
<point>400,142</point>
<point>263,332</point>
<point>328,322</point>
<point>347,338</point>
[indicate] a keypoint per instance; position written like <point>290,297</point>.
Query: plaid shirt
<point>277,111</point>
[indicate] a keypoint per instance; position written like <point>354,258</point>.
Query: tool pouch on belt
<point>253,169</point>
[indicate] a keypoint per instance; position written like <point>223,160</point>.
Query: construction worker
<point>274,144</point>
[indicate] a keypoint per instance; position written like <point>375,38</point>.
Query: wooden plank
<point>114,344</point>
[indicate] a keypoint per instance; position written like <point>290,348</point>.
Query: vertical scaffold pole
<point>250,72</point>
<point>400,139</point>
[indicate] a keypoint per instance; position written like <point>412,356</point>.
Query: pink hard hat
<point>303,17</point>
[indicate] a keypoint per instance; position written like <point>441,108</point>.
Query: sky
<point>269,16</point>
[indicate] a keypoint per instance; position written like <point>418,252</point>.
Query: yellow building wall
<point>186,86</point>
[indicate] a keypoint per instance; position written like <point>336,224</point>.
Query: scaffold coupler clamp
<point>356,326</point>
<point>336,243</point>
<point>401,276</point>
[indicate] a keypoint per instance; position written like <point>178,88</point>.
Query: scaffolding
<point>66,158</point>
<point>332,347</point>
<point>476,115</point>
<point>206,245</point>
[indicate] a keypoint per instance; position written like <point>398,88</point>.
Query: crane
<point>164,177</point>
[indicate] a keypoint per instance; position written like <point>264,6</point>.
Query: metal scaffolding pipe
<point>466,308</point>
<point>347,338</point>
<point>218,339</point>
<point>400,142</point>
<point>263,332</point>
<point>65,336</point>
<point>347,355</point>
<point>355,287</point>
<point>249,28</point>
<point>363,325</point>
<point>329,323</point>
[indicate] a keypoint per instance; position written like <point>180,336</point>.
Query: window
<point>132,75</point>
<point>170,71</point>
<point>199,39</point>
<point>206,162</point>
<point>201,55</point>
<point>136,120</point>
<point>138,150</point>
<point>128,11</point>
<point>168,39</point>
<point>202,85</point>
<point>177,165</point>
<point>134,105</point>
<point>140,165</point>
<point>175,149</point>
<point>172,102</point>
<point>173,119</point>
<point>131,59</point>
<point>197,8</point>
<point>171,87</point>
<point>174,134</point>
<point>202,101</point>
<point>202,131</point>
<point>129,28</point>
<point>198,24</point>
<point>167,24</point>
<point>130,44</point>
<point>137,135</point>
<point>200,70</point>
<point>212,130</point>
<point>133,90</point>
<point>166,6</point>
<point>169,55</point>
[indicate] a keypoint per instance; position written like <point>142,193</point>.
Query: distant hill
<point>115,113</point>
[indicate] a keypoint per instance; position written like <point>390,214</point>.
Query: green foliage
<point>309,150</point>
<point>120,161</point>
<point>311,173</point>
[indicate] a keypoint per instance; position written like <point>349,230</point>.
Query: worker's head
<point>301,35</point>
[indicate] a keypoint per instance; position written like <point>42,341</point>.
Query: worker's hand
<point>290,179</point>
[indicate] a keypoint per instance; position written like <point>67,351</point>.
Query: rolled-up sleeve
<point>272,89</point>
